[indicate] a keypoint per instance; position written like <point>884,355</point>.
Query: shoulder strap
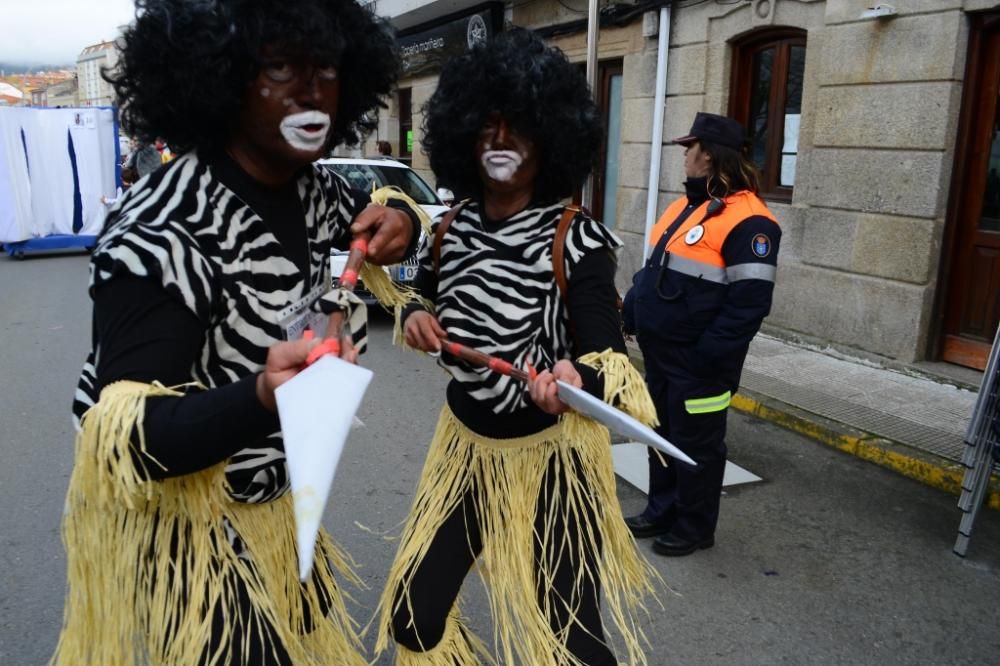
<point>559,248</point>
<point>441,230</point>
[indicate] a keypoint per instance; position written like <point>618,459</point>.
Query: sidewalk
<point>909,423</point>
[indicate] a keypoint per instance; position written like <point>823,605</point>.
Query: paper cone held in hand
<point>617,420</point>
<point>316,408</point>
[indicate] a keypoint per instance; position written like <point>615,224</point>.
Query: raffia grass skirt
<point>505,478</point>
<point>153,579</point>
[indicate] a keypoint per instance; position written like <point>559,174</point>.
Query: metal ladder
<point>980,438</point>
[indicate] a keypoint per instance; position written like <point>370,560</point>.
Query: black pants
<point>263,646</point>
<point>246,628</point>
<point>456,545</point>
<point>682,496</point>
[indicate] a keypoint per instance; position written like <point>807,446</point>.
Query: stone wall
<point>863,232</point>
<point>862,235</point>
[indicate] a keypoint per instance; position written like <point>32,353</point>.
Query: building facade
<point>93,90</point>
<point>877,131</point>
<point>55,91</point>
<point>65,93</point>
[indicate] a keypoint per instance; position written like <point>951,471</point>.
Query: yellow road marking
<point>944,476</point>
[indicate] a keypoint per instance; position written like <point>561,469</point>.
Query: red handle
<point>482,360</point>
<point>355,258</point>
<point>327,346</point>
<point>348,280</point>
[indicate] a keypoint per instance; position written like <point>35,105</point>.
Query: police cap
<point>716,129</point>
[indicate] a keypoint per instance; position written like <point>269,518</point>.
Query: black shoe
<point>671,545</point>
<point>643,529</point>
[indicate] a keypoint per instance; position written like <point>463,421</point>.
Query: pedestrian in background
<point>384,148</point>
<point>695,305</point>
<point>143,160</point>
<point>178,527</point>
<point>164,150</point>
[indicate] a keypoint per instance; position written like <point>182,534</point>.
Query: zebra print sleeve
<point>587,235</point>
<point>346,203</point>
<point>164,252</point>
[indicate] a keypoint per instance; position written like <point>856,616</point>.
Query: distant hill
<point>7,68</point>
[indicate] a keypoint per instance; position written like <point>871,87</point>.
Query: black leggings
<point>435,584</point>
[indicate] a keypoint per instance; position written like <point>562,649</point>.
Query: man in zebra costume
<point>178,528</point>
<point>513,479</point>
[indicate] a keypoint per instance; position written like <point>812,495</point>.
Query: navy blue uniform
<point>694,307</point>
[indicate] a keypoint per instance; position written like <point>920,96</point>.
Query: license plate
<point>407,273</point>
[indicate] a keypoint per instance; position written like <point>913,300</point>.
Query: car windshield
<point>362,176</point>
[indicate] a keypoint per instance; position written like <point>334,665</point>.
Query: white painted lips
<point>501,164</point>
<point>306,130</point>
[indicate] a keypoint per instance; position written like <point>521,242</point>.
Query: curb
<point>895,456</point>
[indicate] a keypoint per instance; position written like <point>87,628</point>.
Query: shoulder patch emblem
<point>761,245</point>
<point>695,234</point>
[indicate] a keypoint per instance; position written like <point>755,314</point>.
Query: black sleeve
<point>592,302</point>
<point>751,255</point>
<point>148,335</point>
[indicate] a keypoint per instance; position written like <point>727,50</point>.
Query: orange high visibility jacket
<point>711,282</point>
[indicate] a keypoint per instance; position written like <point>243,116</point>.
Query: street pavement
<point>829,560</point>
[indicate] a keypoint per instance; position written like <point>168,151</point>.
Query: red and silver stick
<point>331,343</point>
<point>482,360</point>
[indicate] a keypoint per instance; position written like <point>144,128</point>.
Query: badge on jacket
<point>761,245</point>
<point>694,235</point>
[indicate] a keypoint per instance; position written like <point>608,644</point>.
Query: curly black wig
<point>185,65</point>
<point>538,92</point>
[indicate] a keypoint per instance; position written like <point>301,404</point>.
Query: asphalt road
<point>829,560</point>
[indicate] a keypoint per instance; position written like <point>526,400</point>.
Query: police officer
<point>695,306</point>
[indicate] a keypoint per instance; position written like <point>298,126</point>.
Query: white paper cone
<point>617,421</point>
<point>317,408</point>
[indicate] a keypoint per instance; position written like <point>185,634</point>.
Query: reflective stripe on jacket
<point>712,282</point>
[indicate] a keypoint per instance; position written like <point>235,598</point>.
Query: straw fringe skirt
<point>505,477</point>
<point>153,579</point>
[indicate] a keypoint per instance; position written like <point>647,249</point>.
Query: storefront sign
<point>429,48</point>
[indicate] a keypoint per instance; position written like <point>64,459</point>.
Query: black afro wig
<point>185,65</point>
<point>538,92</point>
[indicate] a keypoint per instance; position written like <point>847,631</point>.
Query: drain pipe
<point>593,30</point>
<point>656,142</point>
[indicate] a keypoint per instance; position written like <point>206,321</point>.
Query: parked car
<point>366,173</point>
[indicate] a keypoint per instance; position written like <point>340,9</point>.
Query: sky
<point>55,31</point>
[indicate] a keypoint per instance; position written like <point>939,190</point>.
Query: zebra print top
<point>186,230</point>
<point>496,292</point>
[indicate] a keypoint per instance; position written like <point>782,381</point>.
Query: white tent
<point>55,164</point>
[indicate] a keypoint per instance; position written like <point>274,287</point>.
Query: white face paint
<point>265,92</point>
<point>501,165</point>
<point>306,131</point>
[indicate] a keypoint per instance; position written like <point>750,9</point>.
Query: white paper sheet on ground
<point>632,466</point>
<point>617,421</point>
<point>317,408</point>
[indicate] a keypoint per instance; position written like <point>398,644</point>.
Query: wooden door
<point>972,308</point>
<point>608,100</point>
